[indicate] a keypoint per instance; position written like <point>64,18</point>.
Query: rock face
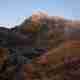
<point>56,34</point>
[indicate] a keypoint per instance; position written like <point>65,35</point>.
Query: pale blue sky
<point>13,11</point>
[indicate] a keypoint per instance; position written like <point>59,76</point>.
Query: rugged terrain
<point>61,51</point>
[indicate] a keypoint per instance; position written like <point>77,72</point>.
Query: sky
<point>13,12</point>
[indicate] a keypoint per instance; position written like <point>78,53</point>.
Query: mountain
<point>61,37</point>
